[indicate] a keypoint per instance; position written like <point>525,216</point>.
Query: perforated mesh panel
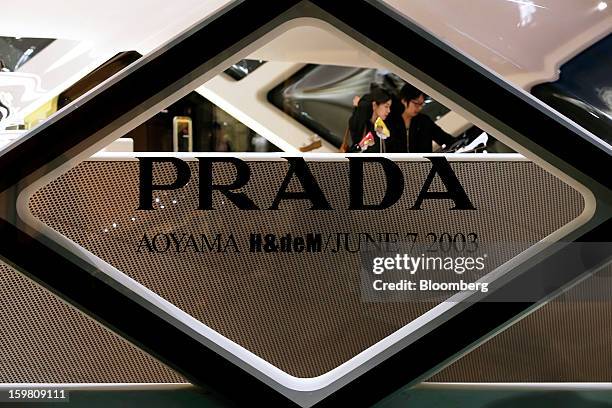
<point>301,312</point>
<point>568,339</point>
<point>43,340</point>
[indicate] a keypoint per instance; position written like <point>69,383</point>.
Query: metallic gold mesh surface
<point>43,340</point>
<point>301,312</point>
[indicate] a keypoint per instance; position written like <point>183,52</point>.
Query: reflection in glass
<point>243,68</point>
<point>583,92</point>
<point>14,52</point>
<point>321,97</point>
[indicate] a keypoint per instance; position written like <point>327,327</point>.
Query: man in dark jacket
<point>418,128</point>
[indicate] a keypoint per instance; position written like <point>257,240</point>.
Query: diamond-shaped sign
<point>213,340</point>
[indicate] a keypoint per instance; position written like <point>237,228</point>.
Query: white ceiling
<point>89,33</point>
<point>523,40</point>
<point>118,24</point>
<point>512,37</point>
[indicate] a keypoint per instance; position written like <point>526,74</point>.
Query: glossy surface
<point>524,40</point>
<point>584,90</point>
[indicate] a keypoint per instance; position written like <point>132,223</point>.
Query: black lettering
<point>312,191</point>
<point>166,243</point>
<point>145,242</point>
<point>231,242</point>
<point>191,243</point>
<point>177,242</point>
<point>243,174</point>
<point>285,243</point>
<point>255,243</point>
<point>298,244</point>
<point>455,191</point>
<point>314,242</point>
<point>394,188</point>
<point>270,245</point>
<point>183,173</point>
<point>216,242</point>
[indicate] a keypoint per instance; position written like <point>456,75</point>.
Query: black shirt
<point>422,132</point>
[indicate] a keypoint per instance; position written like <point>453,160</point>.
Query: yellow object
<point>41,114</point>
<point>381,129</point>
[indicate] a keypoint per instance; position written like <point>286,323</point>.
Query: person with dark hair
<point>371,106</point>
<point>419,129</point>
<point>395,123</point>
